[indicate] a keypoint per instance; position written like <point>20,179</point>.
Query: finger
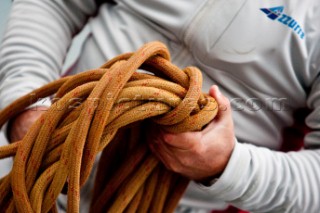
<point>165,155</point>
<point>154,150</point>
<point>223,102</point>
<point>224,113</point>
<point>182,141</point>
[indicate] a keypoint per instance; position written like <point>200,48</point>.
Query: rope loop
<point>104,110</point>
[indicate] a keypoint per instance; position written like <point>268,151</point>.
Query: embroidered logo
<point>276,13</point>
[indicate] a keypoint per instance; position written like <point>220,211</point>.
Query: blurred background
<point>5,165</point>
<point>4,12</point>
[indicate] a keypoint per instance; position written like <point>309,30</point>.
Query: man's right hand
<point>198,155</point>
<point>20,125</point>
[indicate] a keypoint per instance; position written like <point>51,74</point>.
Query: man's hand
<point>199,155</point>
<point>19,126</point>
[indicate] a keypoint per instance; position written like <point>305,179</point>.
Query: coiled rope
<point>103,110</point>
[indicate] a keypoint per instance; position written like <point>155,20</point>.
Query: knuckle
<point>185,161</point>
<point>227,102</point>
<point>173,167</point>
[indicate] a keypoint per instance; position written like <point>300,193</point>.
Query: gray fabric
<point>267,69</point>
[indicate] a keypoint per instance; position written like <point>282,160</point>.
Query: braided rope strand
<point>105,110</point>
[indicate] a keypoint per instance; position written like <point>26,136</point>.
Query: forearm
<point>260,180</point>
<point>36,42</point>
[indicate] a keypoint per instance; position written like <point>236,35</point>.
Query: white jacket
<point>264,55</point>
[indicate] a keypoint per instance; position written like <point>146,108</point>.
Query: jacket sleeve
<point>36,41</point>
<point>260,180</point>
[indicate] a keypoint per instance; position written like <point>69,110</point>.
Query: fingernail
<point>218,91</point>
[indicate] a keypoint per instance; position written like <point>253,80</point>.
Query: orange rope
<point>104,110</point>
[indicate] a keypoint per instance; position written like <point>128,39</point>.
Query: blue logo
<point>276,13</point>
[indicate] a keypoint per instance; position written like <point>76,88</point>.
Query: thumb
<point>223,102</point>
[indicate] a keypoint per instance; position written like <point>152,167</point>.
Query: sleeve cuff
<point>228,186</point>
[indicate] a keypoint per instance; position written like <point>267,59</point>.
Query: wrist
<point>220,167</point>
